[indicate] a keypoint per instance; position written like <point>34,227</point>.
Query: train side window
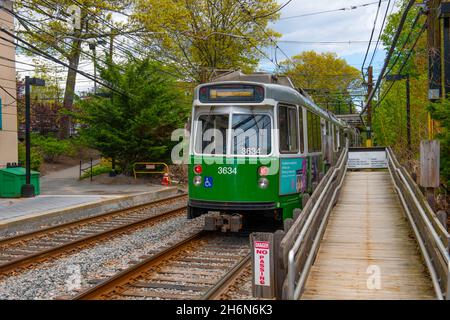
<point>310,127</point>
<point>335,136</point>
<point>314,133</point>
<point>301,128</point>
<point>318,134</point>
<point>288,129</point>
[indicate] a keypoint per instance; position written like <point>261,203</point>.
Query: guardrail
<point>301,243</point>
<point>87,169</point>
<point>150,168</point>
<point>299,246</point>
<point>432,237</point>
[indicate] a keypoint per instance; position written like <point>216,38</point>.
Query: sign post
<point>263,265</point>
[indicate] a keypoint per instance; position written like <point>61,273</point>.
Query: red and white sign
<point>262,263</point>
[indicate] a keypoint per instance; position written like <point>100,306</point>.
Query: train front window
<point>251,134</point>
<point>211,137</point>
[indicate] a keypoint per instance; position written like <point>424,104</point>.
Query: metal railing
<point>301,255</point>
<point>432,237</point>
<point>88,169</point>
<point>150,168</point>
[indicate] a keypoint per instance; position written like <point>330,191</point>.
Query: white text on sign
<point>262,263</point>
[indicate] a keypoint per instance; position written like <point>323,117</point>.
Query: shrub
<point>97,170</point>
<point>51,148</point>
<point>36,157</point>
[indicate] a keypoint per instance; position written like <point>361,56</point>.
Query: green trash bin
<point>12,180</point>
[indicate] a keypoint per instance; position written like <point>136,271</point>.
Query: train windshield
<point>212,134</point>
<point>251,134</point>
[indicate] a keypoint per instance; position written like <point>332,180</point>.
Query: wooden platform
<point>368,233</point>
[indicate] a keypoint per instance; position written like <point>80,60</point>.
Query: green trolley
<point>257,151</point>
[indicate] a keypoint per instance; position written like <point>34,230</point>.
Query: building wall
<point>8,131</point>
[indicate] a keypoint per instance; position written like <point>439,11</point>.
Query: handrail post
<point>291,275</point>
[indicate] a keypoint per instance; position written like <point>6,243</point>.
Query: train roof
<point>282,93</point>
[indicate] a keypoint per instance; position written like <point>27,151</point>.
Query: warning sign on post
<point>262,263</point>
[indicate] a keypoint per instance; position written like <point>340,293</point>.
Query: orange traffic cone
<point>165,180</point>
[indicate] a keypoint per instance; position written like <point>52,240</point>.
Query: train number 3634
<point>227,170</point>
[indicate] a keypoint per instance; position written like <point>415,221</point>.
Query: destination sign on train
<point>225,93</point>
<point>231,93</point>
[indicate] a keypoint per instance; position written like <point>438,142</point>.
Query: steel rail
<point>293,289</point>
<point>111,285</point>
<point>34,234</point>
<point>33,258</point>
<point>215,292</point>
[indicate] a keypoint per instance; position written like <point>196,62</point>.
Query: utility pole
<point>93,46</point>
<point>111,45</point>
<point>408,112</point>
<point>111,53</point>
<point>27,189</point>
<point>444,14</point>
<point>369,107</point>
<point>434,57</point>
<point>397,77</point>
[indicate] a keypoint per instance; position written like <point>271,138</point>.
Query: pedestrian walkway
<point>368,251</point>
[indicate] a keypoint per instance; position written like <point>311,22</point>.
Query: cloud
<point>348,25</point>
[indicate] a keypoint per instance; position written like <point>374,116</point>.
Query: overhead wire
<point>403,64</point>
<point>381,32</point>
<point>329,11</point>
<point>390,52</point>
<point>371,37</point>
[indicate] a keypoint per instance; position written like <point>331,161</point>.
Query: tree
<point>389,116</point>
<point>201,36</point>
<point>136,125</point>
<point>46,102</point>
<point>327,78</point>
<point>49,26</point>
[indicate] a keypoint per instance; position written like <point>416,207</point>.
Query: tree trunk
<point>69,94</point>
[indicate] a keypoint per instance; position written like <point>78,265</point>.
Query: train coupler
<point>223,222</point>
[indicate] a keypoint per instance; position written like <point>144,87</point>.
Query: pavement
<point>63,194</point>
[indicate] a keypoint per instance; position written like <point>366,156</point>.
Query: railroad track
<point>28,249</point>
<point>199,267</point>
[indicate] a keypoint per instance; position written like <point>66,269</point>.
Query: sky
<point>344,25</point>
<point>307,32</point>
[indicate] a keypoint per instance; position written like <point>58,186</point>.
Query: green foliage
<point>389,117</point>
<point>36,157</point>
<point>136,126</point>
<point>198,36</point>
<point>51,148</point>
<point>327,78</point>
<point>96,171</point>
<point>78,147</point>
<point>440,111</point>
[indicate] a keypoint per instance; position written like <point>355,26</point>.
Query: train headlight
<point>198,169</point>
<point>263,171</point>
<point>197,181</point>
<point>263,183</point>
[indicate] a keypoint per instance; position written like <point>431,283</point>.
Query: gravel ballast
<point>67,275</point>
